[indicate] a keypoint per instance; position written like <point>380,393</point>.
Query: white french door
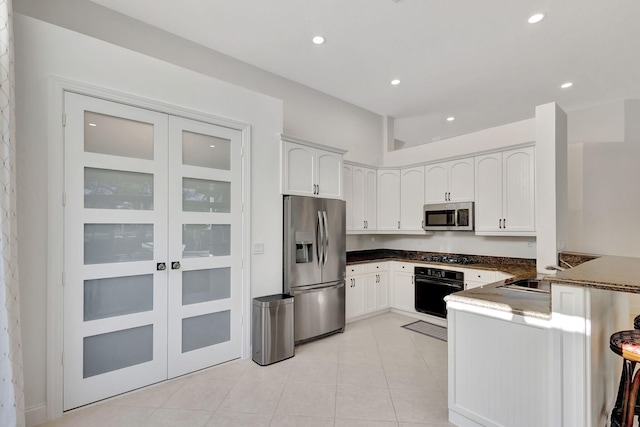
<point>152,247</point>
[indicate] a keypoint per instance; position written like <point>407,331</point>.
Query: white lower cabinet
<point>354,291</point>
<point>499,369</point>
<point>403,296</point>
<point>367,289</point>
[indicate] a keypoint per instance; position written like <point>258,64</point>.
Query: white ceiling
<point>477,60</point>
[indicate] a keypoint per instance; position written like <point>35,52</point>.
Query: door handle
<point>175,265</point>
<point>161,266</point>
<point>326,236</point>
<point>504,223</point>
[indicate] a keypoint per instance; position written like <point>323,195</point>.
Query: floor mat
<point>428,329</point>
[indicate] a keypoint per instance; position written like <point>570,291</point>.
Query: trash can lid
<point>273,300</point>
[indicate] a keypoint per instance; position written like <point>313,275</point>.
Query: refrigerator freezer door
<point>301,242</point>
<point>335,240</point>
<point>318,311</point>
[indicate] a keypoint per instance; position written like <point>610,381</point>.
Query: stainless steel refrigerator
<point>314,259</point>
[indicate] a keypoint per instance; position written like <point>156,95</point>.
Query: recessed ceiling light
<point>534,19</point>
<point>566,85</point>
<point>318,40</point>
<point>450,118</point>
<point>93,124</point>
<point>395,82</point>
<point>212,146</point>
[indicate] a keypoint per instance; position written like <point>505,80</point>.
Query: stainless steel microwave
<point>448,217</point>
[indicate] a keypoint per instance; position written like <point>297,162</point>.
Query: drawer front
<point>354,270</point>
<point>376,267</point>
<point>483,276</point>
<point>403,266</point>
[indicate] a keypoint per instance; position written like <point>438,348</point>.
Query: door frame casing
<point>55,222</point>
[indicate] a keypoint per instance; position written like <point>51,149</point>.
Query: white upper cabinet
<point>449,181</point>
<point>505,193</point>
<point>388,199</point>
<point>411,198</point>
<point>308,170</point>
<point>347,191</point>
<point>363,198</point>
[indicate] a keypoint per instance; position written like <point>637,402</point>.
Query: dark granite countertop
<point>519,267</point>
<point>614,273</point>
<point>493,296</point>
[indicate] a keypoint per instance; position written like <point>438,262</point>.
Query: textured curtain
<point>11,382</point>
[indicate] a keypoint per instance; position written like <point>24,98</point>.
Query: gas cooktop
<point>449,260</point>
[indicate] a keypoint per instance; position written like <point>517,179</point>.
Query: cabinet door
<point>358,197</point>
<point>347,191</point>
<point>388,199</point>
<point>403,290</point>
<point>299,169</point>
<point>461,180</point>
<point>436,186</point>
<point>488,193</point>
<point>354,296</point>
<point>370,281</point>
<point>411,198</point>
<point>518,190</point>
<point>382,290</point>
<point>370,199</point>
<point>329,178</point>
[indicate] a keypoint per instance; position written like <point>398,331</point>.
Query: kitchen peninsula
<point>531,359</point>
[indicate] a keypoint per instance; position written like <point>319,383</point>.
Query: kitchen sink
<point>529,285</point>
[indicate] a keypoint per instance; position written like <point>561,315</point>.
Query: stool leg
<point>631,402</point>
<point>617,414</point>
<point>627,383</point>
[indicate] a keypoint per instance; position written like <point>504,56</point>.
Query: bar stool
<point>627,345</point>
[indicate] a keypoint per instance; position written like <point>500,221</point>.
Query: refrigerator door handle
<point>320,240</point>
<point>326,238</point>
<point>315,288</point>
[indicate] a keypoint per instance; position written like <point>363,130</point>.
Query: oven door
<point>430,293</point>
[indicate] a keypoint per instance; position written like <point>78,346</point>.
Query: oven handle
<point>423,281</point>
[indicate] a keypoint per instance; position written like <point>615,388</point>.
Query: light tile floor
<point>375,374</point>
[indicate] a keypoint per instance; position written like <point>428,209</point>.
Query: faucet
<point>554,267</point>
<point>565,263</point>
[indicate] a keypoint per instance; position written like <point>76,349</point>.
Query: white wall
<point>604,199</point>
<point>44,50</point>
<point>494,138</point>
<point>464,243</point>
<point>308,114</point>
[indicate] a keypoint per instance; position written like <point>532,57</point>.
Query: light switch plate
<point>258,248</point>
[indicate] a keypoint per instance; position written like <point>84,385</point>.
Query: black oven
<point>432,285</point>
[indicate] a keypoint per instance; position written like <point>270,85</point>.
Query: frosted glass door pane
<point>206,240</point>
<point>206,151</point>
<point>117,136</point>
<point>113,189</point>
<point>116,350</point>
<point>206,330</point>
<point>117,296</point>
<point>206,285</point>
<point>105,243</point>
<point>201,195</point>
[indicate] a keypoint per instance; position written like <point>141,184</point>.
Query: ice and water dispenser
<point>304,247</point>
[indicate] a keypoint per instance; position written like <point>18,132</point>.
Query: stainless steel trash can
<point>272,328</point>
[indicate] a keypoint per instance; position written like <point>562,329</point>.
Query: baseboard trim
<point>35,415</point>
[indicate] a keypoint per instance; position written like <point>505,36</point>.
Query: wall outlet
<point>258,248</point>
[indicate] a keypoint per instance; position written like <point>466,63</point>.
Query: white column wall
<point>551,184</point>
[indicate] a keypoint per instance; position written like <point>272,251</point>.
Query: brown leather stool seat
<point>627,345</point>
